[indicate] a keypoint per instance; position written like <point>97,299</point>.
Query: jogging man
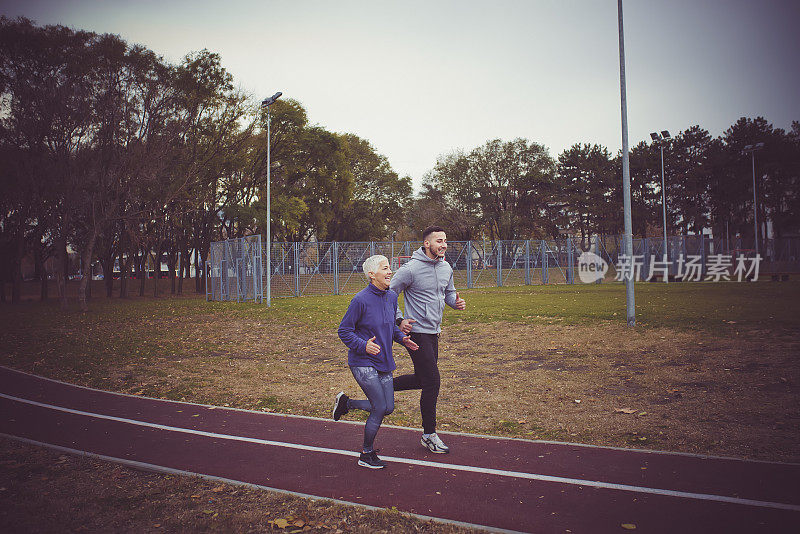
<point>427,280</point>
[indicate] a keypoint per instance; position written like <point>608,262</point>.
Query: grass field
<point>709,368</point>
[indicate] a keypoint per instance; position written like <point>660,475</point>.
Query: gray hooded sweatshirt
<point>428,286</point>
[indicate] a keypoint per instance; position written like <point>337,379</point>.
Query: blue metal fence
<point>236,268</point>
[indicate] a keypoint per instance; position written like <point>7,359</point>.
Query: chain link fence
<point>236,268</point>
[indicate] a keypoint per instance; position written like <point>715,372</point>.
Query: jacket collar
<point>420,255</point>
<point>375,290</point>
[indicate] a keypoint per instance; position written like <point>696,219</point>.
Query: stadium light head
<point>271,100</point>
<point>665,133</point>
<point>654,136</point>
<point>752,148</point>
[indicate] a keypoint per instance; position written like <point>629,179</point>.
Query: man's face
<point>382,277</point>
<point>436,245</point>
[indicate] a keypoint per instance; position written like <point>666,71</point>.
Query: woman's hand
<point>372,347</point>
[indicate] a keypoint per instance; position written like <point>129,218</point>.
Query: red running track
<point>492,483</point>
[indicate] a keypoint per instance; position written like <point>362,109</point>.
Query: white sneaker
<point>434,444</point>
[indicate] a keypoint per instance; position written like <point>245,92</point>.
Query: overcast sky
<point>420,79</point>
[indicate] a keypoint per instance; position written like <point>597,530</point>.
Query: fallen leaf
<point>628,526</point>
<point>624,410</point>
<point>218,489</point>
<point>299,523</point>
<point>281,523</point>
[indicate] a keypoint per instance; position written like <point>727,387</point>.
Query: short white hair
<point>372,263</point>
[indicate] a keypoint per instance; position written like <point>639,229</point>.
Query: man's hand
<point>372,347</point>
<point>408,342</point>
<point>461,304</point>
<point>405,326</point>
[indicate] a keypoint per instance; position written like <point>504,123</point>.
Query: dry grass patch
<point>600,384</point>
<point>651,388</point>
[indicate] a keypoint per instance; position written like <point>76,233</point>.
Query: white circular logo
<point>591,267</point>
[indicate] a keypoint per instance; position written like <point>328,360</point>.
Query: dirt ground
<point>734,394</point>
<point>730,393</point>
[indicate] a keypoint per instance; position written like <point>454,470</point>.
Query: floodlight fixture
<point>665,133</point>
<point>267,102</point>
<point>654,136</point>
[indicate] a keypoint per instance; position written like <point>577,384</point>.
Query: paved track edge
<point>168,470</point>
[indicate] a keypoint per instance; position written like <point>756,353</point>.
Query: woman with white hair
<point>368,329</point>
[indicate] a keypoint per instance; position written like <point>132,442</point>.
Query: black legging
<point>425,377</point>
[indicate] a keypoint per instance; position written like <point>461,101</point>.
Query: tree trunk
<point>156,270</point>
<point>197,269</point>
<point>123,277</point>
<point>88,279</point>
<point>61,285</point>
<point>16,272</point>
<point>86,267</point>
<point>182,271</point>
<point>142,259</point>
<point>108,275</point>
<point>41,272</point>
<point>171,261</point>
<point>124,273</point>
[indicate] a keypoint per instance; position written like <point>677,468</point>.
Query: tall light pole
<point>266,103</point>
<point>660,138</point>
<point>630,302</point>
<point>752,150</point>
<point>393,235</point>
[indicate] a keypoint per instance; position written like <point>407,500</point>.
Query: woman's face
<point>382,277</point>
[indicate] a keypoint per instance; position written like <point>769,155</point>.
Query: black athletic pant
<point>425,377</point>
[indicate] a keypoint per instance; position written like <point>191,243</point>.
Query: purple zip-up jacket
<point>371,313</point>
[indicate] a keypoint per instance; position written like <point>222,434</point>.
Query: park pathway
<point>492,483</point>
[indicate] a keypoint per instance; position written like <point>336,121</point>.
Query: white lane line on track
<point>448,432</point>
<point>424,463</point>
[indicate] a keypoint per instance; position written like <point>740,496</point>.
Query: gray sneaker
<point>434,444</point>
<point>340,406</point>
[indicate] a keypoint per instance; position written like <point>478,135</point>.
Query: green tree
<point>645,169</point>
<point>45,126</point>
<point>508,187</point>
<point>378,198</point>
<point>688,169</point>
<point>587,185</point>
